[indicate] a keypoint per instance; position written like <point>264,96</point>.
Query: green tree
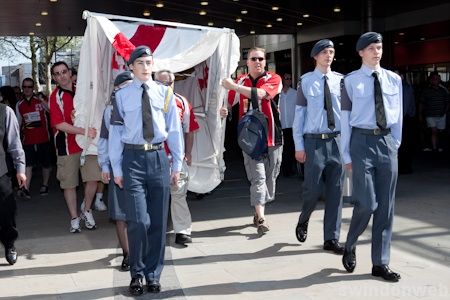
<point>34,47</point>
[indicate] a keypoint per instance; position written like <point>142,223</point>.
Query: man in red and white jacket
<point>263,173</point>
<point>31,115</point>
<point>179,209</point>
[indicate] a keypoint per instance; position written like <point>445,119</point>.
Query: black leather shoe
<point>181,239</point>
<point>349,260</point>
<point>136,286</point>
<point>125,266</point>
<point>11,255</point>
<point>333,245</point>
<point>301,231</point>
<point>385,272</point>
<point>153,286</point>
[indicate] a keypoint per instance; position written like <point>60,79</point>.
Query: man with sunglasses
<point>316,132</point>
<point>31,115</point>
<point>67,150</point>
<point>262,173</point>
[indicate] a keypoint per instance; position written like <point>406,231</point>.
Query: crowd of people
<point>332,124</point>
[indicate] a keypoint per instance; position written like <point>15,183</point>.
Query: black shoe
<point>181,239</point>
<point>153,286</point>
<point>24,193</point>
<point>11,255</point>
<point>125,266</point>
<point>333,245</point>
<point>43,191</point>
<point>136,286</point>
<point>349,260</point>
<point>385,272</point>
<point>301,231</point>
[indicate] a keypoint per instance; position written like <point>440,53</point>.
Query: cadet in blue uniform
<point>116,196</point>
<point>144,116</point>
<point>316,130</point>
<point>371,123</point>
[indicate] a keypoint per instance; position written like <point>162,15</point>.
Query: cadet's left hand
<point>21,179</point>
<point>106,177</point>
<point>175,177</point>
<point>188,158</point>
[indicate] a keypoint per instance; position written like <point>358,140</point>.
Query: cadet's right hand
<point>300,156</point>
<point>348,167</point>
<point>105,177</point>
<point>119,181</point>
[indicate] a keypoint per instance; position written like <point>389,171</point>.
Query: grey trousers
<point>147,190</point>
<point>262,175</point>
<point>375,171</point>
<point>323,170</point>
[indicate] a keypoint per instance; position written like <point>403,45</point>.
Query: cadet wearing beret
<point>144,117</point>
<point>116,197</point>
<point>371,123</point>
<point>316,131</point>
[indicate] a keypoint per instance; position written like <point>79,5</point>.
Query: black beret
<point>122,77</point>
<point>139,52</point>
<point>320,45</point>
<point>368,38</point>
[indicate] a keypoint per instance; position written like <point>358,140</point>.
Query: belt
<point>322,136</point>
<point>376,131</point>
<point>145,147</point>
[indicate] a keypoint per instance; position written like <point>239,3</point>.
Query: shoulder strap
<point>169,94</point>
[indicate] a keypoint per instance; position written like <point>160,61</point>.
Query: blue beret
<point>368,38</point>
<point>122,77</point>
<point>139,52</point>
<point>320,45</point>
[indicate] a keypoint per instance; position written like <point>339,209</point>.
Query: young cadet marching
<point>144,116</point>
<point>371,123</point>
<point>116,196</point>
<point>316,131</point>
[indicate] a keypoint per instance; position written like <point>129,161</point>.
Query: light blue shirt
<point>126,122</point>
<point>310,114</point>
<point>287,107</point>
<point>358,105</point>
<point>102,145</point>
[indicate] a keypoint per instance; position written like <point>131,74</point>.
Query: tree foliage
<point>38,49</point>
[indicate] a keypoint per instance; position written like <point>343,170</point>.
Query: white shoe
<point>99,205</point>
<point>88,219</point>
<point>75,225</point>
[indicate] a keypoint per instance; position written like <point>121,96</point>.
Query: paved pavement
<point>228,260</point>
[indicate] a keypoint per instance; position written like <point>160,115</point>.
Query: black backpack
<point>253,130</point>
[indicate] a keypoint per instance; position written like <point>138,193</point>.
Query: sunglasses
<point>256,58</point>
<point>27,86</point>
<point>63,72</point>
<point>287,78</point>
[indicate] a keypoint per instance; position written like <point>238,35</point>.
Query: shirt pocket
<point>314,96</point>
<point>391,94</point>
<point>131,106</point>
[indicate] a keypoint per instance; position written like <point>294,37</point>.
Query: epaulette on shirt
<point>337,73</point>
<point>300,80</point>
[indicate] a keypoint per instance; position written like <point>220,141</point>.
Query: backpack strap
<point>254,98</point>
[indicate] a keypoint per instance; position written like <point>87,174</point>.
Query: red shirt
<point>271,83</point>
<point>187,116</point>
<point>61,107</point>
<point>33,121</point>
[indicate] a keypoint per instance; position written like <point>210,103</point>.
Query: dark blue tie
<point>328,105</point>
<point>380,114</point>
<point>147,119</point>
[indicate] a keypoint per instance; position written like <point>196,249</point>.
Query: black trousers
<point>8,210</point>
<point>288,163</point>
